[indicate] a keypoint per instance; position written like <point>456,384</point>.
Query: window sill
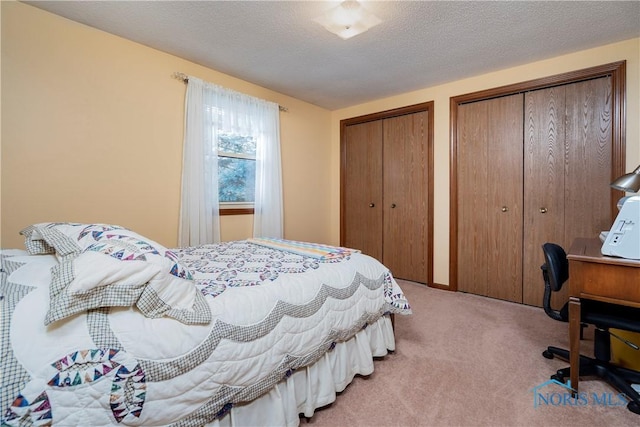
<point>236,211</point>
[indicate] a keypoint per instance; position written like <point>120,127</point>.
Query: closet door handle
<point>505,209</point>
<point>393,205</point>
<point>543,210</point>
<point>371,205</point>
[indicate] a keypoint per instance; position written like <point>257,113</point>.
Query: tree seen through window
<point>236,168</point>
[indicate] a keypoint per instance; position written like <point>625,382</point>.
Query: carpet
<point>467,360</point>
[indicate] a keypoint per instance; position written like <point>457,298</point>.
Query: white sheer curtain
<point>210,110</point>
<point>267,218</point>
<point>199,214</point>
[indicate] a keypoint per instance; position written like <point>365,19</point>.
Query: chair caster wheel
<point>547,354</point>
<point>634,407</point>
<point>557,377</point>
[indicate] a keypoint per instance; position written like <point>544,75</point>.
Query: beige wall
<point>629,50</point>
<point>93,127</point>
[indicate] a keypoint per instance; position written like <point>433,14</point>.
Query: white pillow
<point>104,265</point>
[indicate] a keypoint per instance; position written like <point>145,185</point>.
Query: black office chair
<point>603,316</point>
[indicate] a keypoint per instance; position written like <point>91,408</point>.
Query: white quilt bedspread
<point>273,312</point>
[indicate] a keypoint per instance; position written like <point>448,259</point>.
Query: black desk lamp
<point>629,182</point>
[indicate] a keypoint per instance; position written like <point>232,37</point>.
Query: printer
<point>623,240</point>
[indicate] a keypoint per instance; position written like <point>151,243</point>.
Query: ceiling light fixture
<point>348,19</point>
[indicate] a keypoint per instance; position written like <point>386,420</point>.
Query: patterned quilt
<point>274,311</point>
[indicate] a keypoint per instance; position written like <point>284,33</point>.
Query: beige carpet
<point>465,360</point>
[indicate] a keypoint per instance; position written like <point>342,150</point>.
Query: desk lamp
<point>629,182</point>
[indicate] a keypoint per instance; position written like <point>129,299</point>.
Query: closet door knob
<point>505,209</point>
<point>393,205</point>
<point>543,210</point>
<point>371,205</point>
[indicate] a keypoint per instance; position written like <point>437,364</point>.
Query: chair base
<point>618,377</point>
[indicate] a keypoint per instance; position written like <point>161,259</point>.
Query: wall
<point>629,50</point>
<point>93,128</point>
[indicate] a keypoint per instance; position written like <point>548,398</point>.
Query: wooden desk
<point>597,277</point>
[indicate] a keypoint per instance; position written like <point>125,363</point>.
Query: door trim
<point>410,109</point>
<point>617,71</point>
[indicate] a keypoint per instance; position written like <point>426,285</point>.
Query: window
<point>236,171</point>
<point>231,163</point>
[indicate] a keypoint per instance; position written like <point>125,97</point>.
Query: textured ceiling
<point>277,45</point>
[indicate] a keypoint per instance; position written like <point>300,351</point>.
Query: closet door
<point>589,165</point>
<point>544,183</point>
<point>405,195</point>
<point>362,209</point>
<point>472,198</point>
<point>568,160</point>
<point>570,152</point>
<point>505,197</point>
<point>490,179</point>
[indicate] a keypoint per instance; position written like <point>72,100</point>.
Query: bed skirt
<point>316,385</point>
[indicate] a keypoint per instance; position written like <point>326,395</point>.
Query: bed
<point>103,326</point>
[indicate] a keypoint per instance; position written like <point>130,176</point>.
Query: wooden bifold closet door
<point>490,197</point>
<point>532,167</point>
<point>568,168</point>
<point>362,208</point>
<point>385,200</point>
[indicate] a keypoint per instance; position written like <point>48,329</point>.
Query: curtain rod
<point>185,78</point>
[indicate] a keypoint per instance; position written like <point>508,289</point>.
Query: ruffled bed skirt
<point>316,385</point>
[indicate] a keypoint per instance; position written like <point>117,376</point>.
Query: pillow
<point>102,265</point>
<point>34,242</point>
